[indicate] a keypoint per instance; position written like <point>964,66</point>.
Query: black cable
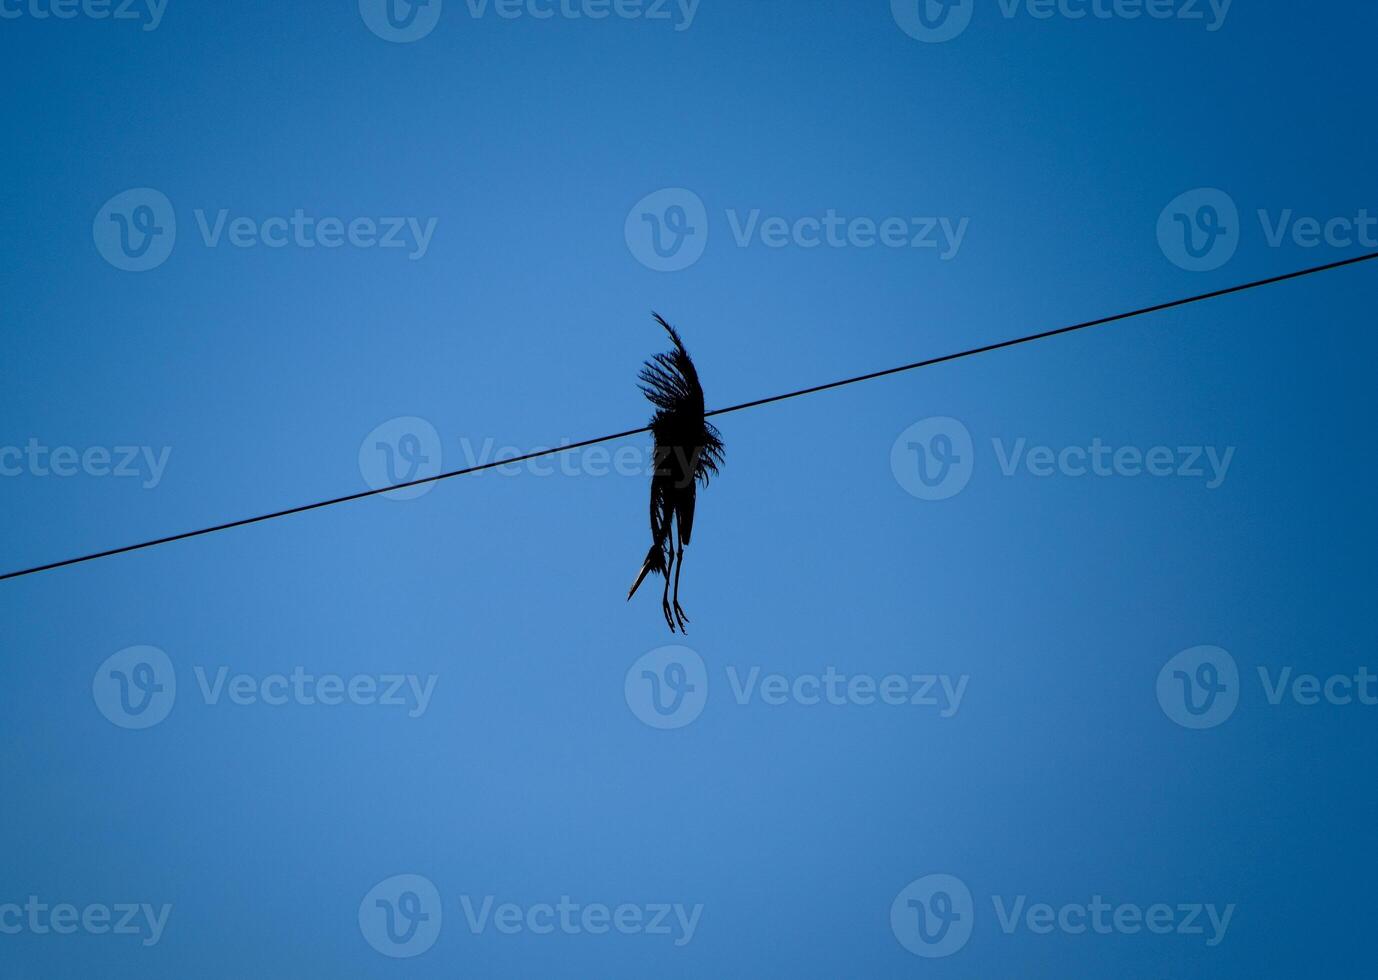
<point>316,506</point>
<point>1143,311</point>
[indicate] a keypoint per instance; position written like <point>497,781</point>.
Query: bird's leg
<point>679,613</point>
<point>665,599</point>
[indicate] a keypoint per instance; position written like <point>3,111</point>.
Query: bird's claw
<point>683,619</point>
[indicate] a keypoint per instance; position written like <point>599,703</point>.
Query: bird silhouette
<point>688,451</point>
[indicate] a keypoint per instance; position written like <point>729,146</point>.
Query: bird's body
<point>688,451</point>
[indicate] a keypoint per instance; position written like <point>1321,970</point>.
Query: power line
<point>971,352</point>
<point>1030,338</point>
<point>245,522</point>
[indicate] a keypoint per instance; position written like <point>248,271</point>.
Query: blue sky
<point>443,704</point>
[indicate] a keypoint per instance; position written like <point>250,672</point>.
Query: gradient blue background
<point>528,778</point>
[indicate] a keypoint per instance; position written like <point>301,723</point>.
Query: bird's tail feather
<point>655,562</point>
